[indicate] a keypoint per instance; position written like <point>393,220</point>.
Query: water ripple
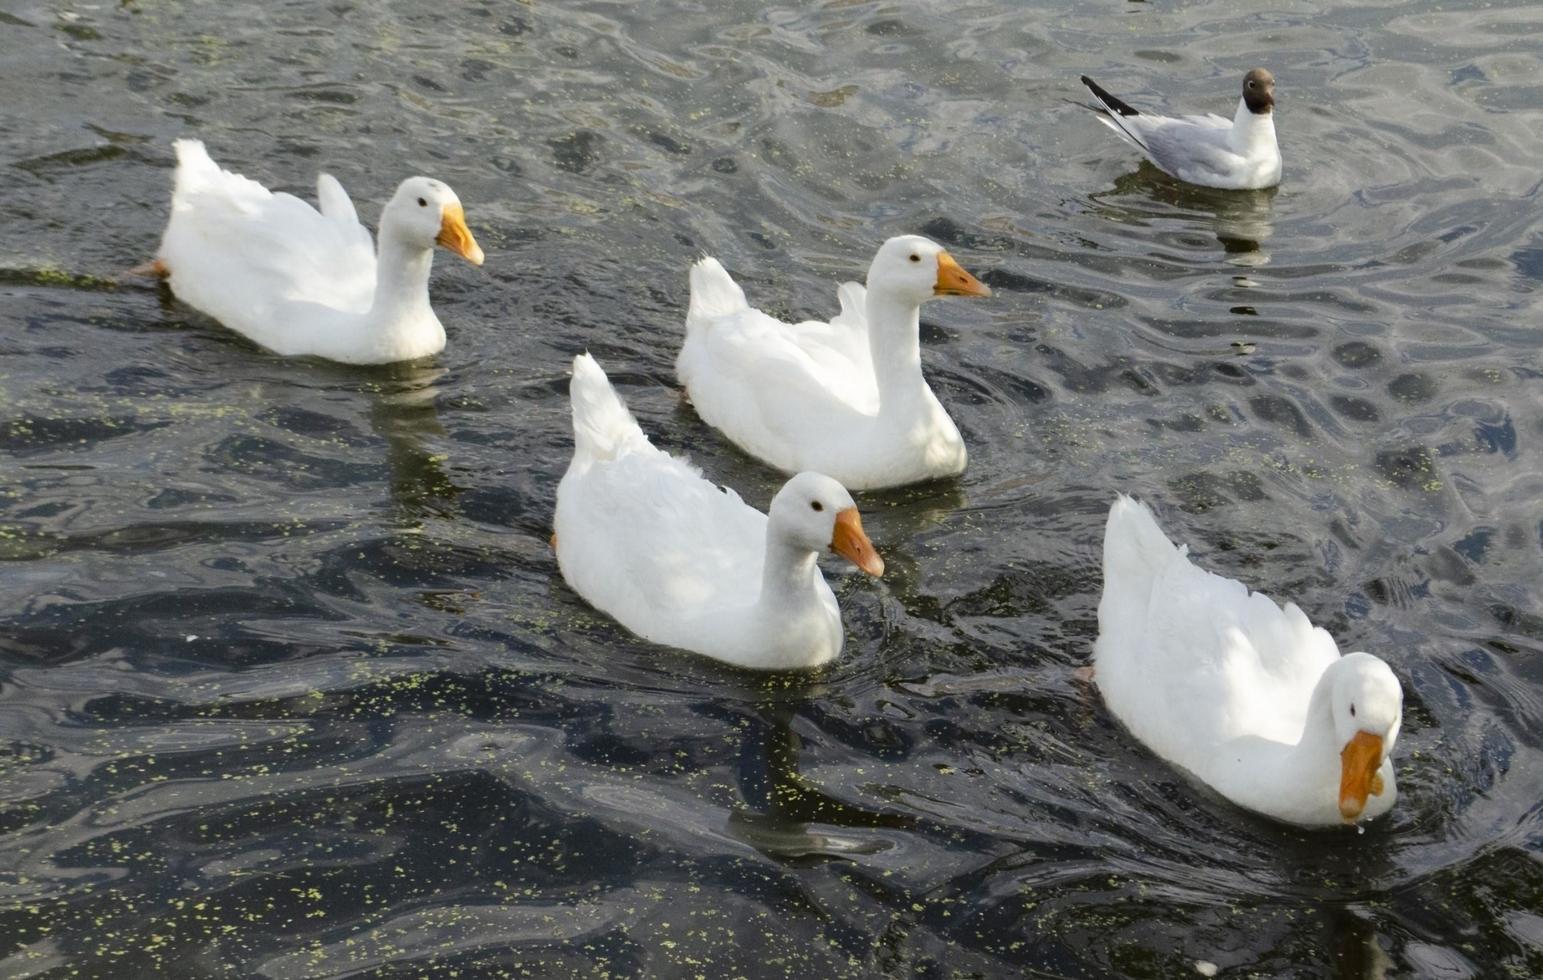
<point>288,682</point>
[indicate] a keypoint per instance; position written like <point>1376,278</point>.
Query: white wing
<point>1189,659</point>
<point>239,251</point>
<point>641,535</point>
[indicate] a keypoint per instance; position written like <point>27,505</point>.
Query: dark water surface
<point>290,686</point>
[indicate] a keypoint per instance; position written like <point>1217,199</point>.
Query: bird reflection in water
<point>1241,220</point>
<point>783,814</point>
<point>404,412</point>
<point>1353,948</point>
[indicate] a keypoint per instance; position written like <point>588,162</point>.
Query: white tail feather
<point>194,165</point>
<point>1135,548</point>
<point>713,293</point>
<point>602,426</point>
<point>199,176</point>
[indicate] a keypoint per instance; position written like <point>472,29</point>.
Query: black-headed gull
<point>1206,150</point>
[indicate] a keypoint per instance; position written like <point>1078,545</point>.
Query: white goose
<point>643,537</point>
<point>1248,697</point>
<point>301,281</point>
<point>846,397</point>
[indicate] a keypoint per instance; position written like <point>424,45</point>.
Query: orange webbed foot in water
<point>155,268</point>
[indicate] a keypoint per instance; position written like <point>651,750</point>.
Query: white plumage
<point>844,397</point>
<point>1248,696</point>
<point>1236,154</point>
<point>301,281</point>
<point>643,537</point>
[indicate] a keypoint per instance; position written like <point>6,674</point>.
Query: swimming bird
<point>678,561</point>
<point>844,397</point>
<point>301,281</point>
<point>1247,696</point>
<point>1240,154</point>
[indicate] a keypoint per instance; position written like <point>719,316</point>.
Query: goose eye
<point>422,203</point>
<point>816,505</point>
<point>1352,711</point>
<point>915,257</point>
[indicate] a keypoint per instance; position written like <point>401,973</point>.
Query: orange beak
<point>954,281</point>
<point>1358,764</point>
<point>454,235</point>
<point>851,543</point>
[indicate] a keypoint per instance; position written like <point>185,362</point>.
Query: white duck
<point>643,537</point>
<point>1233,154</point>
<point>846,397</point>
<point>301,281</point>
<point>1248,697</point>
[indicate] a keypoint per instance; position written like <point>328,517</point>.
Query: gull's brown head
<point>1259,91</point>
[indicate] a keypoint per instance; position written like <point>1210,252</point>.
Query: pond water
<point>290,685</point>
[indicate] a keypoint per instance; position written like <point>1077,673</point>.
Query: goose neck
<point>788,577</point>
<point>894,342</point>
<point>401,282</point>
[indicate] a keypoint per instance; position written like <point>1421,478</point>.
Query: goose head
<point>916,269</point>
<point>425,212</point>
<point>1368,707</point>
<point>814,512</point>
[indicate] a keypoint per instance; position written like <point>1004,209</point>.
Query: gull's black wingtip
<point>1113,104</point>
